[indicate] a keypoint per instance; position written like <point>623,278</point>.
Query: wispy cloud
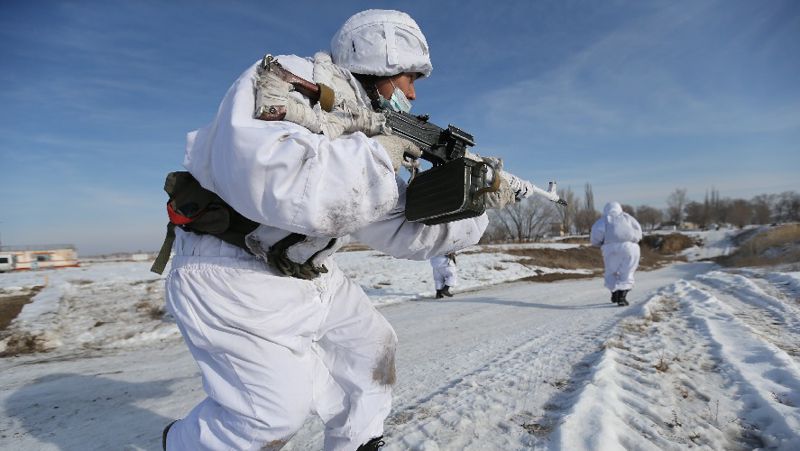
<point>633,81</point>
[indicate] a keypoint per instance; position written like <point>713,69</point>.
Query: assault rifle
<point>448,151</point>
<point>452,189</point>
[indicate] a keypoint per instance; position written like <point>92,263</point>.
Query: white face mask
<point>398,102</point>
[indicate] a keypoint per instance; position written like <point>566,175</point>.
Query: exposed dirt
<point>353,247</point>
<point>584,257</point>
<point>669,244</point>
<point>11,303</point>
<point>575,240</point>
<point>24,343</point>
<point>556,276</point>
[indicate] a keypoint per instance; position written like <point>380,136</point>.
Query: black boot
<point>622,300</point>
<point>439,294</point>
<point>372,445</point>
<point>446,291</point>
<point>615,297</point>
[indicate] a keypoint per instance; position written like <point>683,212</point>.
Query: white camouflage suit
<point>444,271</point>
<point>273,349</point>
<point>618,234</point>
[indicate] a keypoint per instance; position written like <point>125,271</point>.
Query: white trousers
<point>620,261</point>
<point>274,349</point>
<point>444,275</point>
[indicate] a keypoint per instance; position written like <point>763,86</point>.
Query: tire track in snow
<point>688,373</point>
<point>751,301</point>
<point>456,412</point>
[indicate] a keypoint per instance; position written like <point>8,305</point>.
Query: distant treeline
<point>534,218</point>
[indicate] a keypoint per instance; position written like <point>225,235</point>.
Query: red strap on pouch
<point>177,218</point>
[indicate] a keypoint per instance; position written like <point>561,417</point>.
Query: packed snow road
<point>477,370</point>
<point>703,357</point>
<point>473,372</point>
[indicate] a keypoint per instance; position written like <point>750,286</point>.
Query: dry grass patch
<point>24,343</point>
<point>539,429</point>
<point>668,244</point>
<point>583,257</point>
<point>662,365</point>
<point>658,311</point>
<point>773,246</point>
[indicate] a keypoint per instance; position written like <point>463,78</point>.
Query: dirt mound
<point>766,247</point>
<point>582,257</point>
<point>668,244</point>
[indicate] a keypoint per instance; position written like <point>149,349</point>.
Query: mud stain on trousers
<point>384,372</point>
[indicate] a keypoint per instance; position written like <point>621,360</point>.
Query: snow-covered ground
<point>704,357</point>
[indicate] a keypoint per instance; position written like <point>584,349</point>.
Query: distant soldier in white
<point>277,330</point>
<point>444,274</point>
<point>618,234</point>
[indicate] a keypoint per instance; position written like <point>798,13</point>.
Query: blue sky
<point>635,97</point>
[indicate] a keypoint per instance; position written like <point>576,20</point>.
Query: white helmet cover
<point>381,42</point>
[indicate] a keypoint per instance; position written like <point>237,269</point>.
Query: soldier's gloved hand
<point>350,118</point>
<point>401,151</point>
<point>273,92</point>
<point>503,196</point>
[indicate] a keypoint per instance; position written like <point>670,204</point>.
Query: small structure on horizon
<point>33,257</point>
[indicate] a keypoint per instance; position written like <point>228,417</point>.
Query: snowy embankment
<point>713,361</point>
<point>120,304</point>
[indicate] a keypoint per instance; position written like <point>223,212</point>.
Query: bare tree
<point>740,213</point>
<point>787,207</point>
<point>528,220</point>
<point>675,203</point>
<point>589,197</point>
<point>567,213</point>
<point>495,231</point>
<point>762,208</point>
<point>586,216</point>
<point>584,220</point>
<point>648,216</point>
<point>628,209</point>
<point>696,213</point>
<point>716,210</point>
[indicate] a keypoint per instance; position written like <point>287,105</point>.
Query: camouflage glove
<point>351,113</point>
<point>274,93</point>
<point>401,151</point>
<point>503,196</point>
<point>348,118</point>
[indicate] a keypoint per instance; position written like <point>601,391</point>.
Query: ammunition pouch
<point>198,210</point>
<point>448,192</point>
